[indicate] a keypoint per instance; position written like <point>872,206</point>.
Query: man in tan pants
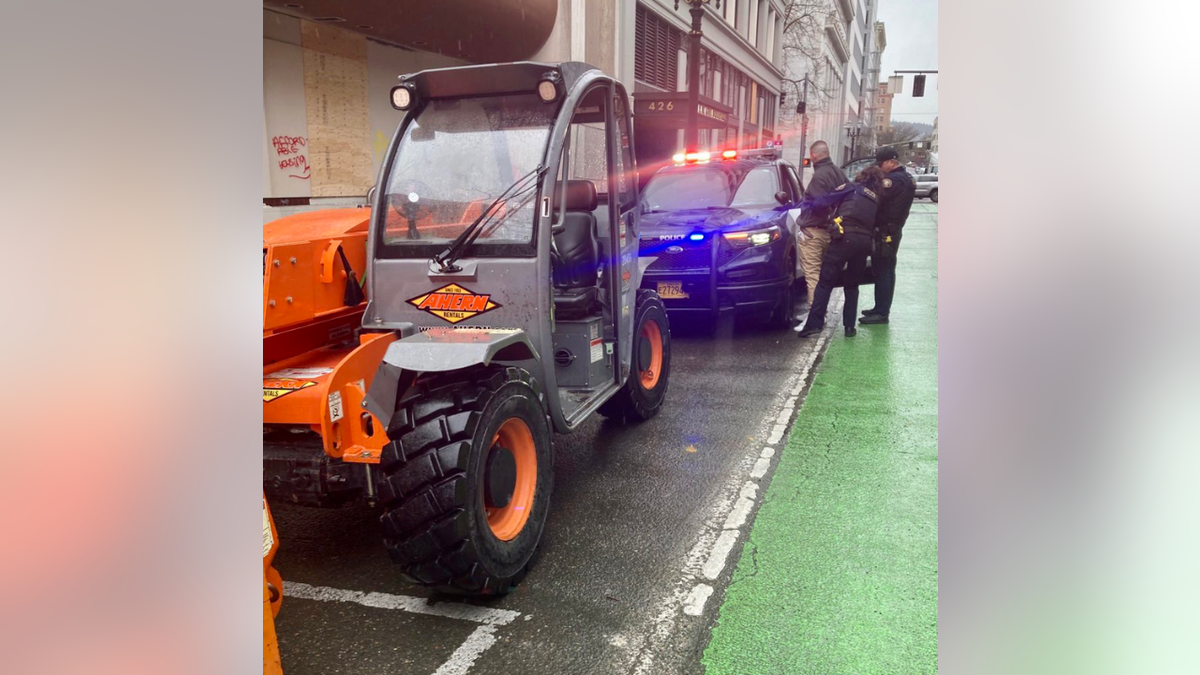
<point>814,239</point>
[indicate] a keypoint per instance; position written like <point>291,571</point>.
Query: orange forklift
<point>502,264</point>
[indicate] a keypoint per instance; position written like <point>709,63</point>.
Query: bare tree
<point>803,37</point>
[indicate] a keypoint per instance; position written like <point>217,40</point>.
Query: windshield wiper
<point>445,260</point>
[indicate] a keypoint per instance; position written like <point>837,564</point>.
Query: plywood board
<point>339,128</point>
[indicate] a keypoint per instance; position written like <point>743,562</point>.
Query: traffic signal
<point>782,98</point>
<point>918,86</point>
<point>801,107</point>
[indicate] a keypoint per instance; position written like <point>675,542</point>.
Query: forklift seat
<point>576,277</point>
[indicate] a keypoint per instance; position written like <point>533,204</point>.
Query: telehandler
<point>502,277</point>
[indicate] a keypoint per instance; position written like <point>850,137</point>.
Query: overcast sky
<point>912,44</point>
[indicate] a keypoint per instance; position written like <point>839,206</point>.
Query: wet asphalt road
<point>627,505</point>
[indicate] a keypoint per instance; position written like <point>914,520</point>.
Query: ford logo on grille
<point>675,249</point>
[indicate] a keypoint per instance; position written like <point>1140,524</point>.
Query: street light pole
<point>803,127</point>
<point>802,111</point>
<point>852,132</point>
<point>691,134</point>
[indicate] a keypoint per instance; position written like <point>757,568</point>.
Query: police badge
<point>887,182</point>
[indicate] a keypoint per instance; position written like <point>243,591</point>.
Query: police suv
<point>721,227</point>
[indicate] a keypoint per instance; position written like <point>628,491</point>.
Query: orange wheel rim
<point>652,334</point>
<point>506,522</point>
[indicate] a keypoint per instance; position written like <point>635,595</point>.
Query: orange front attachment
<point>272,594</point>
<point>304,278</point>
<point>315,371</point>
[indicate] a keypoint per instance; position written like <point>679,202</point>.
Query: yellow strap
<point>888,239</point>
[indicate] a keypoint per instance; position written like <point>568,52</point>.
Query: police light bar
<point>729,154</point>
<point>691,157</point>
<point>762,152</point>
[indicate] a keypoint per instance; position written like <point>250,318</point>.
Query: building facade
<point>883,109</point>
<point>740,76</point>
<point>839,58</point>
<point>327,119</point>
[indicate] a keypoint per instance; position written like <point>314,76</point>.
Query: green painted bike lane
<point>839,573</point>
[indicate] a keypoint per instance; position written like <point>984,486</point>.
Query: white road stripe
<point>720,553</point>
<point>730,510</point>
<point>777,433</point>
<point>760,468</point>
<point>464,657</point>
<point>694,604</point>
<point>745,502</point>
<point>405,603</point>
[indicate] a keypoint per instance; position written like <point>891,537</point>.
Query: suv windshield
<point>703,187</point>
<point>457,157</point>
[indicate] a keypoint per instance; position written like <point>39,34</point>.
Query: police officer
<point>897,198</point>
<point>851,230</point>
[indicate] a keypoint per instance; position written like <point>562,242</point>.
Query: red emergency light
<point>691,157</point>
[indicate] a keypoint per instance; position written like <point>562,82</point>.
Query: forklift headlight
<point>402,97</point>
<point>547,89</point>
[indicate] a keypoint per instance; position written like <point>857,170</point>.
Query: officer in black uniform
<point>851,228</point>
<point>896,200</point>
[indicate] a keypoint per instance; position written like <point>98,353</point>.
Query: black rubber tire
<point>634,403</point>
<point>781,317</point>
<point>435,524</point>
<point>933,196</point>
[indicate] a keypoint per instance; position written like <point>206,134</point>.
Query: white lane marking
<point>464,657</point>
<point>720,553</point>
<point>760,468</point>
<point>660,632</point>
<point>767,453</point>
<point>737,516</point>
<point>406,603</point>
<point>694,604</point>
<point>777,433</point>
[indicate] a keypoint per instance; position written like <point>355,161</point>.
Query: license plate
<point>671,290</point>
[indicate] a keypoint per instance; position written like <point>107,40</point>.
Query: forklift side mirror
<point>783,198</point>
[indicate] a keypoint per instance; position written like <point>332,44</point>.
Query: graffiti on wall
<point>292,156</point>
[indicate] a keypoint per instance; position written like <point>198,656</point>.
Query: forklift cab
<point>505,230</point>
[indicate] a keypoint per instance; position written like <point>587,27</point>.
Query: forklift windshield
<point>455,159</point>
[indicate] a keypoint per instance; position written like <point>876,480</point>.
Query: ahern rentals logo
<point>454,303</point>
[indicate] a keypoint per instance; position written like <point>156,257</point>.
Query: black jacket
<point>896,200</point>
<point>856,211</point>
<point>826,179</point>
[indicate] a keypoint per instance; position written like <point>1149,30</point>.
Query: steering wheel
<point>409,202</point>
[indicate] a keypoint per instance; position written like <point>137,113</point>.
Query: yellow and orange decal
<point>279,387</point>
<point>454,303</point>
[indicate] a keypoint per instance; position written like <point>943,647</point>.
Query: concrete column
<point>743,17</point>
<point>760,25</point>
<point>768,47</point>
<point>752,25</point>
<point>578,30</point>
<point>777,52</point>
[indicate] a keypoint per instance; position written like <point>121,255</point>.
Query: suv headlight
<point>750,238</point>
